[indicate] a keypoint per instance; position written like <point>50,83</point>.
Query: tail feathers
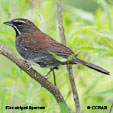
<point>92,66</point>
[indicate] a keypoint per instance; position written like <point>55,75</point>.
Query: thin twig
<point>33,74</point>
<point>39,16</point>
<point>69,67</point>
<point>54,77</point>
<point>111,107</point>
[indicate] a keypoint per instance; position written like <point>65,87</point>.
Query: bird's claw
<point>46,76</point>
<point>28,64</point>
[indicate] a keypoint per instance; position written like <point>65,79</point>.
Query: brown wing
<point>41,42</point>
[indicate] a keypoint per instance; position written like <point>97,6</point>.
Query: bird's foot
<point>28,64</point>
<point>46,76</point>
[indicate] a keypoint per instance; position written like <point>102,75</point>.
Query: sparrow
<point>34,45</point>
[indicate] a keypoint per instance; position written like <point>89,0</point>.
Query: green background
<point>89,32</point>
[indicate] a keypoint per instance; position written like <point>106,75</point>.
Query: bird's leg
<point>46,76</point>
<point>54,77</point>
<point>51,70</point>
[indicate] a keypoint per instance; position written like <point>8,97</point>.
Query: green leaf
<point>105,92</point>
<point>59,58</point>
<point>108,34</point>
<point>63,107</point>
<point>71,57</point>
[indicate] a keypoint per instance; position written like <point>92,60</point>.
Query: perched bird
<point>34,45</point>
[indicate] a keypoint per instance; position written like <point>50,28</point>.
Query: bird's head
<point>22,26</point>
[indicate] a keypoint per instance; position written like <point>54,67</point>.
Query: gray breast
<point>25,52</point>
<point>20,47</point>
<point>42,59</point>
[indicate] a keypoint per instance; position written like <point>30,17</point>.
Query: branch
<point>39,16</point>
<point>69,67</point>
<point>33,74</point>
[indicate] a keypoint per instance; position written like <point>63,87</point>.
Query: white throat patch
<point>17,29</point>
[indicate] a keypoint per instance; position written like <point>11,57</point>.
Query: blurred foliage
<point>89,31</point>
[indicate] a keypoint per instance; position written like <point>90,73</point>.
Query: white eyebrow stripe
<point>19,21</point>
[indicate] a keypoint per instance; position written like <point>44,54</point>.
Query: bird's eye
<point>20,23</point>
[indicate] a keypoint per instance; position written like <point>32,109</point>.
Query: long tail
<point>92,66</point>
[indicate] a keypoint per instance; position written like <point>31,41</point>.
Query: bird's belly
<point>44,60</point>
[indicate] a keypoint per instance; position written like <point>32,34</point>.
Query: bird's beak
<point>8,23</point>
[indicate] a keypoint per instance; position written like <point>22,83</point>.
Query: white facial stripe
<point>17,30</point>
<point>19,21</point>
